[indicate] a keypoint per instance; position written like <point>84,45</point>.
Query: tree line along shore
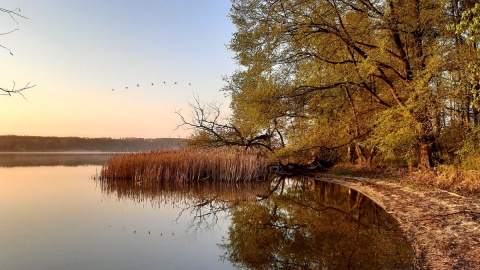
<point>12,143</point>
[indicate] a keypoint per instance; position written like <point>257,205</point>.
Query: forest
<point>11,143</point>
<point>366,82</point>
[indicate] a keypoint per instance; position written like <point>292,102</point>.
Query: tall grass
<point>186,165</point>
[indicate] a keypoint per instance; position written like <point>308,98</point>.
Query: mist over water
<point>37,159</point>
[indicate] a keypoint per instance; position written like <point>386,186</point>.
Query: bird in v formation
<point>138,85</point>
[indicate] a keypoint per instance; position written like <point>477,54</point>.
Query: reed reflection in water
<point>285,223</point>
<point>202,201</point>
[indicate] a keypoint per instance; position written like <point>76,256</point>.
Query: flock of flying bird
<point>113,89</point>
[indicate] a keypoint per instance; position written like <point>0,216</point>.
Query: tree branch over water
<point>214,131</point>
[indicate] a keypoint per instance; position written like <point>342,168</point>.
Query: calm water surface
<point>56,217</point>
<point>59,217</point>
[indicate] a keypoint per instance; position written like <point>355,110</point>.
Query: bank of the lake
<point>281,223</point>
<point>443,227</point>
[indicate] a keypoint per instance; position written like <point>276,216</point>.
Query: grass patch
<point>186,165</point>
<point>458,180</point>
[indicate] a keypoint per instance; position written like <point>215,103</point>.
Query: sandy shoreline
<point>444,228</point>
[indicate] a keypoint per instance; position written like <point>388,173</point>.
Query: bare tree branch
<point>6,91</point>
<point>12,14</point>
<point>6,33</point>
<point>207,120</point>
<point>19,91</point>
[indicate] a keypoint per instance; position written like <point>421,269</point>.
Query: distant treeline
<point>12,143</point>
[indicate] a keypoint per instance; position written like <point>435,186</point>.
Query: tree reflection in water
<point>287,223</point>
<point>315,225</point>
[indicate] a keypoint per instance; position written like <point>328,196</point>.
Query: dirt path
<point>444,228</point>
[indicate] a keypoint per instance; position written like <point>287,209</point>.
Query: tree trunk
<point>351,155</point>
<point>476,118</point>
<point>425,160</point>
<point>365,158</point>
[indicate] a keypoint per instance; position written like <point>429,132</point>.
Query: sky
<point>82,55</point>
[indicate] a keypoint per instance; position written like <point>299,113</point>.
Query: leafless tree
<point>214,131</point>
<point>14,14</point>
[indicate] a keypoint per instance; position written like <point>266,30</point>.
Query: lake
<point>55,215</point>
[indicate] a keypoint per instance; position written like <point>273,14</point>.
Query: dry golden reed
<point>185,165</point>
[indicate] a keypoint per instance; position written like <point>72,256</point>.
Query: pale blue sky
<point>76,52</point>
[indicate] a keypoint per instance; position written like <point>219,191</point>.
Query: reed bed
<point>187,165</point>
